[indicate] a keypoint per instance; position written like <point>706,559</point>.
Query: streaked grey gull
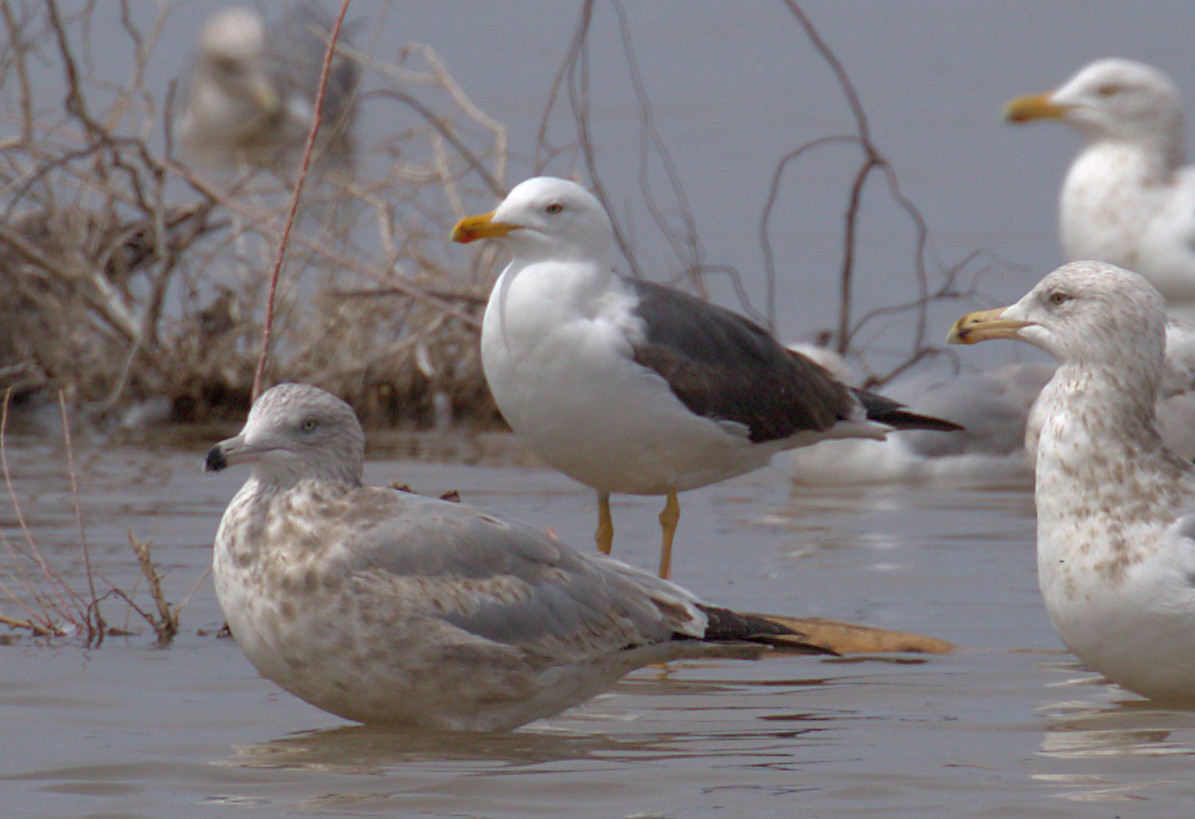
<point>629,386</point>
<point>385,607</point>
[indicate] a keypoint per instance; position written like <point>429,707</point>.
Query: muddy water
<point>1010,727</point>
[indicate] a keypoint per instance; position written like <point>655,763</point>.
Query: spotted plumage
<point>385,607</point>
<point>1115,509</point>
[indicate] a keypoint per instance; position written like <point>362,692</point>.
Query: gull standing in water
<point>1115,509</point>
<point>384,607</point>
<point>629,386</point>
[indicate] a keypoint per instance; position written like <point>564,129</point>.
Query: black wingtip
<point>725,625</point>
<point>215,460</point>
<point>903,419</point>
<point>894,414</point>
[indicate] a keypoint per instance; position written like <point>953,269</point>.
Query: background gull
<point>1127,199</point>
<point>1001,419</point>
<point>250,95</point>
<point>1115,522</point>
<point>628,386</point>
<point>384,607</point>
<point>992,407</point>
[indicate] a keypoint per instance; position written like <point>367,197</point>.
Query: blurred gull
<point>992,407</point>
<point>250,96</point>
<point>385,607</point>
<point>1127,199</point>
<point>629,386</point>
<point>1000,416</point>
<point>1115,522</point>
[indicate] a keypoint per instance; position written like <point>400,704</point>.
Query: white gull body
<point>384,607</point>
<point>1128,199</point>
<point>628,386</point>
<point>1116,510</point>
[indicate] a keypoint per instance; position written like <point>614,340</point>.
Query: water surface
<point>1011,726</point>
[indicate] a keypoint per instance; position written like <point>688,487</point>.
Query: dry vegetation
<point>126,275</point>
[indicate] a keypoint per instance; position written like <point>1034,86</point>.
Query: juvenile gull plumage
<point>384,607</point>
<point>250,95</point>
<point>1115,522</point>
<point>628,386</point>
<point>1128,199</point>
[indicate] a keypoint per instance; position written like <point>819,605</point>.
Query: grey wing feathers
<point>504,581</point>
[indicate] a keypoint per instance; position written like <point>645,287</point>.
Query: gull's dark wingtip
<point>895,415</point>
<point>726,625</point>
<point>903,419</point>
<point>215,460</point>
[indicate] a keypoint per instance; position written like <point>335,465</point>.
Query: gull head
<point>232,54</point>
<point>296,432</point>
<point>1092,314</point>
<point>1112,98</point>
<point>544,218</point>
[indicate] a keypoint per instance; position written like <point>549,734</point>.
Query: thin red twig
<point>308,148</point>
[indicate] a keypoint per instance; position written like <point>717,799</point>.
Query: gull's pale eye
<point>554,208</point>
<point>1108,90</point>
<point>310,425</point>
<point>1058,297</point>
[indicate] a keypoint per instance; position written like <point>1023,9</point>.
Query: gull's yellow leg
<point>605,531</point>
<point>668,520</point>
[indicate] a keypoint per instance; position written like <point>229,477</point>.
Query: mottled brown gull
<point>629,386</point>
<point>1115,509</point>
<point>385,607</point>
<point>1128,199</point>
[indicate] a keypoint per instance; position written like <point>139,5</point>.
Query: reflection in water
<point>370,750</point>
<point>682,720</point>
<point>1130,728</point>
<point>703,727</point>
<point>1104,739</point>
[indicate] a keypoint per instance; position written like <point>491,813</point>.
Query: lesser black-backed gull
<point>629,386</point>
